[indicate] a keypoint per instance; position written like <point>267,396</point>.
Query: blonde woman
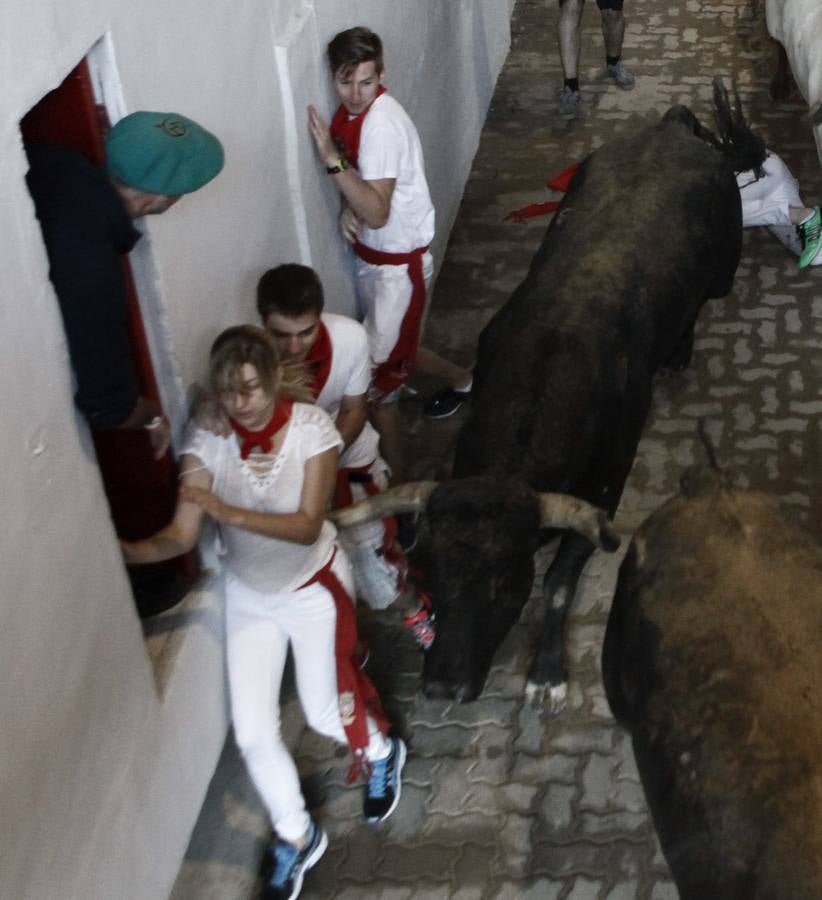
<point>267,485</point>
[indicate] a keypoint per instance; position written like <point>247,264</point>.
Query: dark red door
<point>141,491</point>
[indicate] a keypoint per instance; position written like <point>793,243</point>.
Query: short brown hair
<point>348,49</point>
<point>250,344</point>
<point>289,290</point>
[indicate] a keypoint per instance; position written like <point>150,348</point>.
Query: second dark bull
<point>649,229</point>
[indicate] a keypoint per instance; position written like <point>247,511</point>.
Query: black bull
<point>649,229</point>
<point>713,661</point>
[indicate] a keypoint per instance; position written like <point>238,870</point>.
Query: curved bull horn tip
<point>409,497</point>
<point>565,511</point>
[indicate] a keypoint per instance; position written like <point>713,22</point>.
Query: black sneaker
<point>445,403</point>
<point>291,864</point>
<point>382,793</point>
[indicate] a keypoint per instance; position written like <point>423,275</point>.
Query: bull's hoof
<point>549,698</point>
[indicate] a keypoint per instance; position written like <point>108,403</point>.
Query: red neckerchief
<point>346,130</point>
<point>319,358</point>
<point>262,439</point>
<point>357,694</point>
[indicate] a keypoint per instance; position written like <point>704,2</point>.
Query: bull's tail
<point>742,148</point>
<point>710,450</point>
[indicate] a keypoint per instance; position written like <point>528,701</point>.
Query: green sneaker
<point>810,234</point>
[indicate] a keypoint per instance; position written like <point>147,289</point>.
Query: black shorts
<point>604,4</point>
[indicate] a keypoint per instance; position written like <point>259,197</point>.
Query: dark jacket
<point>86,230</point>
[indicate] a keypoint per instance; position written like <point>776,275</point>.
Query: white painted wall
<point>797,25</point>
<point>105,754</point>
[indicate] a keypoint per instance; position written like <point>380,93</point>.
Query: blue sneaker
<point>382,793</point>
<point>291,864</point>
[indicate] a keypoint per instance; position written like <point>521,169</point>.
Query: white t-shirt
<point>350,376</point>
<point>390,148</point>
<point>268,564</point>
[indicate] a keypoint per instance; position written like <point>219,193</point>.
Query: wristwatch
<point>342,165</point>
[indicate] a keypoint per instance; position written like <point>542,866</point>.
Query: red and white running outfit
<point>268,606</point>
<point>767,201</point>
<point>379,571</point>
<point>389,147</point>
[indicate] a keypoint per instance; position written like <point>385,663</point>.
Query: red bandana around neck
<point>262,438</point>
<point>319,359</point>
<point>346,130</point>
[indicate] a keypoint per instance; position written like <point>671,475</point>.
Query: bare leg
<point>430,363</point>
<point>386,419</point>
<point>799,214</point>
<point>570,18</point>
<point>613,30</point>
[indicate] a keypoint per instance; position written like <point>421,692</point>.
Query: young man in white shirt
<point>335,349</point>
<point>373,152</point>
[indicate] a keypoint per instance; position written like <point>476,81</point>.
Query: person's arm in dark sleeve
<point>95,315</point>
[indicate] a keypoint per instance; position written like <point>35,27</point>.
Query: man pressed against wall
<point>290,302</point>
<point>373,153</point>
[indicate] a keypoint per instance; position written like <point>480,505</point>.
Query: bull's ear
<point>565,511</point>
<point>410,497</point>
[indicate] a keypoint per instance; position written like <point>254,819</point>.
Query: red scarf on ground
<point>262,438</point>
<point>346,130</point>
<point>557,183</point>
<point>319,360</point>
<point>357,694</point>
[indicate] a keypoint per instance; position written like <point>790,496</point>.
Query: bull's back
<point>721,658</point>
<point>649,228</point>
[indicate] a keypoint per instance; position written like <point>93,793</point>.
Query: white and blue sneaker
<point>382,793</point>
<point>291,864</point>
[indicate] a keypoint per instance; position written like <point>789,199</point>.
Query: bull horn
<point>404,498</point>
<point>565,511</point>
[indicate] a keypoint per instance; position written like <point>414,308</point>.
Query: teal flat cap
<point>163,153</point>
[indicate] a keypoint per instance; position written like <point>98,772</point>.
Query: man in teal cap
<point>86,214</point>
<point>154,158</point>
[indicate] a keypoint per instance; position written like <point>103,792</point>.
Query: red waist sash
<point>392,373</point>
<point>357,694</point>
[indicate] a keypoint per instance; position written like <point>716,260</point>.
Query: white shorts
<point>383,295</point>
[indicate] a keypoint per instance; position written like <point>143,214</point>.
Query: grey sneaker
<point>622,76</point>
<point>569,103</point>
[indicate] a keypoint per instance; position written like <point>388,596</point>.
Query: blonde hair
<point>250,344</point>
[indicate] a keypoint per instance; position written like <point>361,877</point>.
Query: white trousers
<point>376,580</point>
<point>259,630</point>
<point>383,295</point>
<point>767,200</point>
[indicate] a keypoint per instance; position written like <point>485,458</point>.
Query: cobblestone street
<point>500,801</point>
